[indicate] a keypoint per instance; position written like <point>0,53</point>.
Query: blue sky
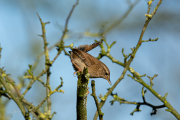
<point>20,27</point>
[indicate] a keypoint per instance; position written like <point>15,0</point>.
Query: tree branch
<point>138,78</point>
<point>82,92</point>
<point>96,100</point>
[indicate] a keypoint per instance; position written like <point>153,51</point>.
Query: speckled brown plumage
<point>80,59</point>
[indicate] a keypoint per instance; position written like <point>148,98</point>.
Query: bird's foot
<point>77,72</point>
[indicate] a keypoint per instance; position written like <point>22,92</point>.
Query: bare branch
<point>96,100</point>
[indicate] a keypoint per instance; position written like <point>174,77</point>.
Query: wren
<point>81,59</point>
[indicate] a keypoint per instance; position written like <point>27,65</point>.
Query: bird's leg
<point>76,66</point>
<point>76,72</point>
<point>87,91</point>
<point>79,69</point>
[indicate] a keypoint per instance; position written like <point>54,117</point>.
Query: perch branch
<point>82,92</point>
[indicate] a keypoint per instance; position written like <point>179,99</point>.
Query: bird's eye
<point>106,73</point>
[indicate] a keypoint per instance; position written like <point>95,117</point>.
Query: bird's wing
<point>85,57</point>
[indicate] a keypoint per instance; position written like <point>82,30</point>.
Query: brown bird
<point>81,59</point>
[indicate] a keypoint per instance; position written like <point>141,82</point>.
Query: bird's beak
<point>109,81</point>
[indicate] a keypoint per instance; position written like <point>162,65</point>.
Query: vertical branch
<point>96,100</point>
<point>48,91</point>
<point>82,92</point>
<point>47,62</point>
